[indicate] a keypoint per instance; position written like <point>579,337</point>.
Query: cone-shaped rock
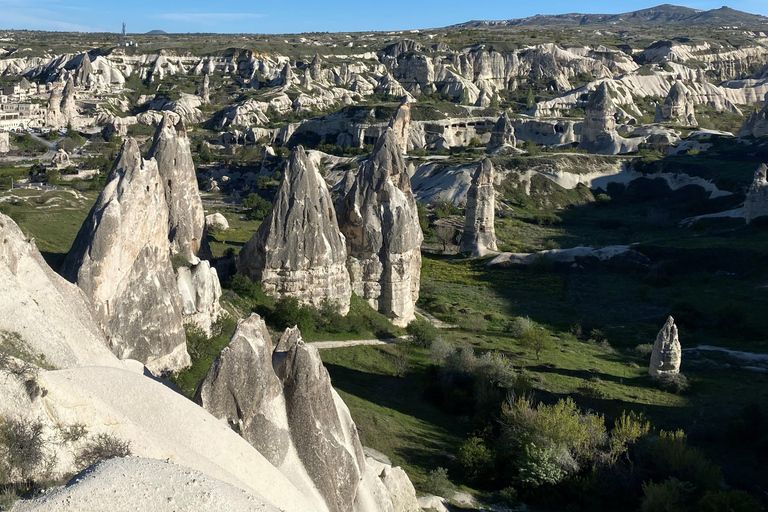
<point>598,131</point>
<point>479,234</point>
<point>401,124</point>
<point>316,68</point>
<point>756,203</point>
<point>756,125</point>
<point>84,72</point>
<point>186,217</point>
<point>68,105</point>
<point>678,107</point>
<point>298,250</point>
<point>205,91</point>
<point>380,221</point>
<point>503,133</point>
<point>667,353</point>
<point>121,260</point>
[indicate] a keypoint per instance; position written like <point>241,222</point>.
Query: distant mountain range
<point>660,15</point>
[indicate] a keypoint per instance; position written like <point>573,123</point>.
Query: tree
<point>204,152</point>
<point>52,176</point>
<point>258,207</point>
<point>536,339</point>
<point>445,235</point>
<point>530,99</point>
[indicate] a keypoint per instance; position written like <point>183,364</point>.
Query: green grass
<point>241,229</point>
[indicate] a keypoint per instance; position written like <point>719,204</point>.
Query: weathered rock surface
<point>503,134</point>
<point>479,236</point>
<point>678,107</point>
<point>5,143</point>
<point>598,131</point>
<point>205,91</point>
<point>298,250</point>
<point>380,221</point>
<point>282,402</point>
<point>398,485</point>
<point>186,218</point>
<point>756,125</point>
<point>153,486</point>
<point>756,203</point>
<point>51,316</point>
<point>667,353</point>
<point>84,72</point>
<point>121,260</point>
<point>401,124</point>
<point>200,291</point>
<point>216,220</point>
<point>61,160</point>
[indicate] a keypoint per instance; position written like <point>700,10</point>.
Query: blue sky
<point>292,16</point>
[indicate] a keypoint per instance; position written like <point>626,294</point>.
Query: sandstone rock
<point>186,218</point>
<point>121,260</point>
<point>598,131</point>
<point>51,316</point>
<point>316,68</point>
<point>84,72</point>
<point>479,236</point>
<point>154,485</point>
<point>678,107</point>
<point>503,134</point>
<point>68,105</point>
<point>205,90</point>
<point>398,485</point>
<point>756,125</point>
<point>666,355</point>
<point>61,160</point>
<point>756,203</point>
<point>380,221</point>
<point>401,124</point>
<point>286,75</point>
<point>217,220</point>
<point>298,250</point>
<point>200,291</point>
<point>5,143</point>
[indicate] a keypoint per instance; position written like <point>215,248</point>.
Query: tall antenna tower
<point>124,40</point>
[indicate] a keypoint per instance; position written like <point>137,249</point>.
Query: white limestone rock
<point>380,221</point>
<point>5,143</point>
<point>667,353</point>
<point>200,292</point>
<point>217,220</point>
<point>298,251</point>
<point>121,260</point>
<point>678,107</point>
<point>756,203</point>
<point>479,236</point>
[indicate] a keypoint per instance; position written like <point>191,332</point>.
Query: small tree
<point>52,176</point>
<point>536,339</point>
<point>422,333</point>
<point>258,207</point>
<point>445,235</point>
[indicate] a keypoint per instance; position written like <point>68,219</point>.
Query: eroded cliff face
<point>121,260</point>
<point>281,401</point>
<point>298,250</point>
<point>677,108</point>
<point>380,221</point>
<point>756,125</point>
<point>479,234</point>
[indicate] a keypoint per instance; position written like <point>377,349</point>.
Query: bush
<point>422,333</point>
<point>102,447</point>
<point>672,456</point>
<point>439,351</point>
<point>21,449</point>
<point>730,500</point>
<point>475,458</point>
<point>644,350</point>
<point>257,208</point>
<point>677,383</point>
<point>519,326</point>
<point>288,313</point>
<point>668,496</point>
<point>536,339</point>
<point>437,483</point>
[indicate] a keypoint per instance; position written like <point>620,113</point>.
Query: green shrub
<point>22,447</point>
<point>437,483</point>
<point>475,459</point>
<point>728,500</point>
<point>644,350</point>
<point>537,339</point>
<point>102,447</point>
<point>519,326</point>
<point>439,351</point>
<point>422,333</point>
<point>257,208</point>
<point>288,313</point>
<point>677,383</point>
<point>673,457</point>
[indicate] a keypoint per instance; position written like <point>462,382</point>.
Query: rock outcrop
<point>61,160</point>
<point>678,107</point>
<point>667,353</point>
<point>598,131</point>
<point>756,125</point>
<point>282,402</point>
<point>186,218</point>
<point>50,316</point>
<point>401,124</point>
<point>121,260</point>
<point>503,135</point>
<point>479,236</point>
<point>84,72</point>
<point>216,220</point>
<point>200,291</point>
<point>298,250</point>
<point>205,90</point>
<point>756,202</point>
<point>5,142</point>
<point>380,221</point>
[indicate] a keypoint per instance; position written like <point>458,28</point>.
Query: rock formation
<point>216,220</point>
<point>316,68</point>
<point>5,142</point>
<point>282,402</point>
<point>298,250</point>
<point>68,105</point>
<point>756,202</point>
<point>756,125</point>
<point>666,355</point>
<point>205,91</point>
<point>598,131</point>
<point>380,221</point>
<point>50,315</point>
<point>186,218</point>
<point>677,108</point>
<point>84,72</point>
<point>61,160</point>
<point>503,135</point>
<point>200,291</point>
<point>401,124</point>
<point>479,234</point>
<point>286,76</point>
<point>121,260</point>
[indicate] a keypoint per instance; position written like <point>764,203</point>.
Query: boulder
<point>49,316</point>
<point>186,218</point>
<point>677,108</point>
<point>756,202</point>
<point>479,236</point>
<point>298,251</point>
<point>380,221</point>
<point>667,353</point>
<point>121,260</point>
<point>216,220</point>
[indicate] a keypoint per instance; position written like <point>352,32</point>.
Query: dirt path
<point>746,356</point>
<point>434,321</point>
<point>322,345</point>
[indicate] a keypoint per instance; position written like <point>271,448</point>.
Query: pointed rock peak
<point>484,172</point>
<point>601,99</point>
<point>678,91</point>
<point>667,352</point>
<point>290,338</point>
<point>386,161</point>
<point>669,328</point>
<point>316,61</point>
<point>170,127</point>
<point>69,89</point>
<point>128,159</point>
<point>401,124</point>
